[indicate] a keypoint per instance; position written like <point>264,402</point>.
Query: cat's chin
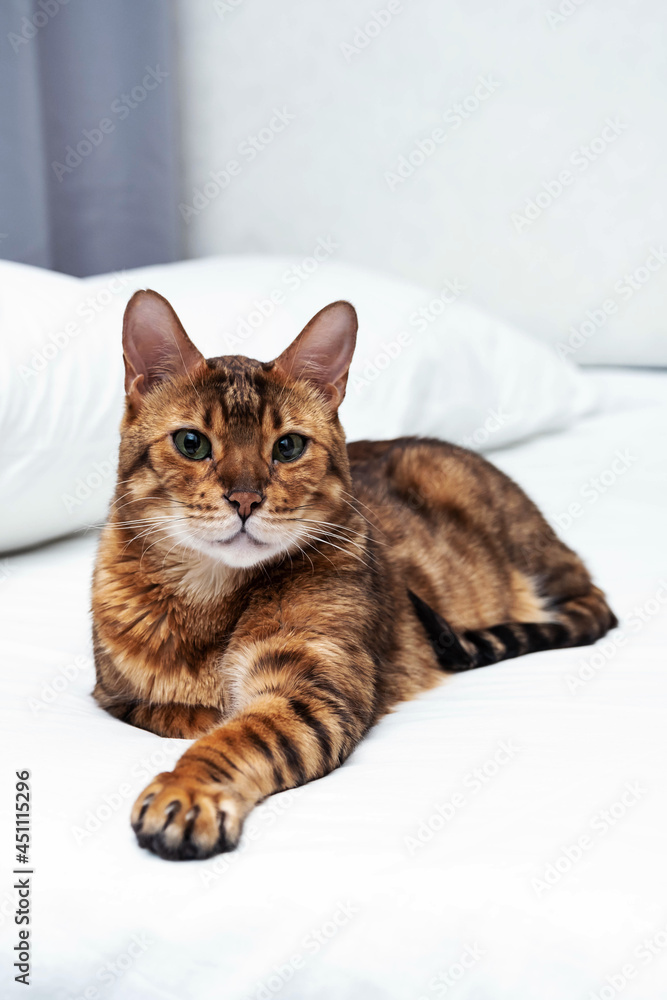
<point>242,551</point>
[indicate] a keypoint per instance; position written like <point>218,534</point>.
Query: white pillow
<point>427,363</point>
<point>59,405</point>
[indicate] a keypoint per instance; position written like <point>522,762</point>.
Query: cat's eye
<point>192,444</point>
<point>288,447</point>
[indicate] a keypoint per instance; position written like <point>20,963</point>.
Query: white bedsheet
<point>421,868</point>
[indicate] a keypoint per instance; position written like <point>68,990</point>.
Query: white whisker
<point>343,538</point>
<point>338,527</point>
<point>325,541</point>
<point>369,509</point>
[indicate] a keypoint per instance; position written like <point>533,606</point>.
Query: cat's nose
<point>245,502</point>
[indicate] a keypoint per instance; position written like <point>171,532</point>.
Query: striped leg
<point>291,730</point>
<point>577,621</point>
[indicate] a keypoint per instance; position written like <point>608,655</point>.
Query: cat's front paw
<point>181,817</point>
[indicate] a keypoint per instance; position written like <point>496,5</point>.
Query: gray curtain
<point>88,134</point>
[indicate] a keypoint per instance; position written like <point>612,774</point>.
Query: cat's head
<point>232,458</point>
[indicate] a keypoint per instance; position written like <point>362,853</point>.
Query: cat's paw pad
<point>179,818</point>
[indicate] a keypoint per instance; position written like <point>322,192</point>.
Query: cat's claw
<point>180,819</point>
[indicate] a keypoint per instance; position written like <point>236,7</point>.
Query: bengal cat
<point>271,593</point>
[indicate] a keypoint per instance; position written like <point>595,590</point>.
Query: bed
<point>502,837</point>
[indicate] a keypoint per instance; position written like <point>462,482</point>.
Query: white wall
<point>557,79</point>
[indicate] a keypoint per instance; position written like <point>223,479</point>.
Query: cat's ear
<point>155,345</point>
<point>323,351</point>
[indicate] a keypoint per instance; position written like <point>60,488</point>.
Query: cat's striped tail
<point>578,621</point>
